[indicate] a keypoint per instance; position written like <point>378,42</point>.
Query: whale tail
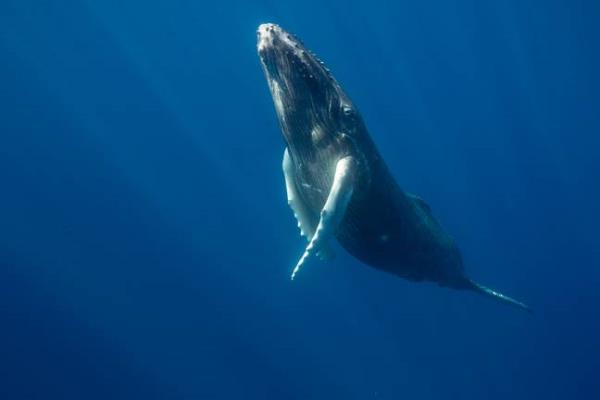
<point>498,296</point>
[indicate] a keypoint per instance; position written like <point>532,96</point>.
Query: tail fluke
<point>498,296</point>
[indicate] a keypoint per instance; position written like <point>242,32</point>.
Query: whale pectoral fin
<point>301,213</point>
<point>334,209</point>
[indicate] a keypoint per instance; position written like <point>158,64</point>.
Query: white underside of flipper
<point>332,213</point>
<point>301,213</point>
<point>295,202</point>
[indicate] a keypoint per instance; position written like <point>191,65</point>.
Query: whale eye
<point>347,110</point>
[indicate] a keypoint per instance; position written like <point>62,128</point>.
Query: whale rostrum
<point>337,184</point>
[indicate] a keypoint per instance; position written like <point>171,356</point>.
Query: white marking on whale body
<point>265,38</point>
<point>277,94</point>
<point>318,134</point>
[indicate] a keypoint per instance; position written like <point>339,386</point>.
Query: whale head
<point>313,110</point>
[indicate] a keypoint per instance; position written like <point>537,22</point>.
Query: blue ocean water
<point>145,240</point>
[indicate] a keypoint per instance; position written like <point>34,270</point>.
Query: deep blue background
<point>145,240</point>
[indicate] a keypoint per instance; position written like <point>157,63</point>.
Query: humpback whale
<point>339,187</point>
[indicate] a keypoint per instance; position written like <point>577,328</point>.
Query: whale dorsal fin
<point>306,223</point>
<point>334,209</point>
